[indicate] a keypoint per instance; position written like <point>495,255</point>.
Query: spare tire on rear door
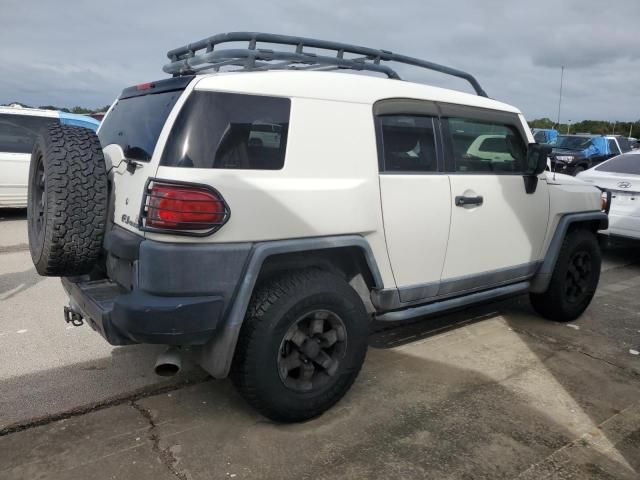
<point>68,201</point>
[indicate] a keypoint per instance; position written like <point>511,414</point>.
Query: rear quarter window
<point>229,130</point>
<point>18,132</point>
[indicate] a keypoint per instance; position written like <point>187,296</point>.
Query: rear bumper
<point>123,317</point>
<point>624,225</point>
<point>156,292</point>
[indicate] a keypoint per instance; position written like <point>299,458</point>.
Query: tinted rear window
<point>18,132</point>
<point>135,123</point>
<point>228,130</point>
<point>622,164</point>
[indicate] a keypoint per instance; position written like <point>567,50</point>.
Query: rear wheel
<point>574,279</point>
<point>301,346</point>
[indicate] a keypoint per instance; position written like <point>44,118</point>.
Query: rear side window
<point>613,147</point>
<point>408,143</point>
<point>625,145</point>
<point>18,132</point>
<point>540,137</point>
<point>626,164</point>
<point>135,123</point>
<point>485,147</point>
<point>229,130</point>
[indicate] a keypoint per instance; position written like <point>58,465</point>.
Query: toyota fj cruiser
<point>261,219</point>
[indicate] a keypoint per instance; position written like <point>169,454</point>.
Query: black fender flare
<point>217,354</point>
<point>540,281</point>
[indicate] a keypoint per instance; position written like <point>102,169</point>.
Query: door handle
<point>462,201</point>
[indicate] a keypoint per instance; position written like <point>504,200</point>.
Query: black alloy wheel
<point>311,350</point>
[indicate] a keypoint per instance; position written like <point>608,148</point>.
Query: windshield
<point>626,164</point>
<point>570,142</point>
<point>135,123</point>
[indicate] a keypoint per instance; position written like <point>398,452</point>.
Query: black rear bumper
<point>137,317</point>
<point>156,292</point>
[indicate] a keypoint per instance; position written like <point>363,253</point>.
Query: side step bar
<point>453,303</point>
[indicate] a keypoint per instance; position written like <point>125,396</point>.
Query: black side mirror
<point>537,158</point>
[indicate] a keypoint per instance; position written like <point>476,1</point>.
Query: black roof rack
<point>200,56</point>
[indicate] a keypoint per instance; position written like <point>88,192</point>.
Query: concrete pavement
<point>48,367</point>
<point>490,392</point>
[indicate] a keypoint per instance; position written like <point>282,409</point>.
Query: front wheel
<point>301,346</point>
<point>574,279</point>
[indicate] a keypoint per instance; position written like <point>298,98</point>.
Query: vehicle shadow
<point>43,396</point>
<point>412,413</point>
<point>16,282</point>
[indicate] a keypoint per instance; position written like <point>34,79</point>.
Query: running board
<point>453,303</point>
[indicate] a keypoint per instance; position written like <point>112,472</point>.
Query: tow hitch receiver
<point>72,317</point>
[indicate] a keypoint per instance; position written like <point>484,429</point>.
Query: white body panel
<point>624,213</point>
<point>568,194</point>
<point>14,171</point>
<point>14,167</point>
<point>416,210</point>
<point>508,229</point>
<point>330,185</point>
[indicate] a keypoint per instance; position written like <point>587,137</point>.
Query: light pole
<point>568,126</point>
<point>560,99</point>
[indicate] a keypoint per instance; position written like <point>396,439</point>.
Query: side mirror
<point>537,155</point>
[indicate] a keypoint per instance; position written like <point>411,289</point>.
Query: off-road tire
<point>555,304</point>
<point>67,201</point>
<point>274,307</point>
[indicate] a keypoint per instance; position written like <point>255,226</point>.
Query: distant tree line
<point>598,127</point>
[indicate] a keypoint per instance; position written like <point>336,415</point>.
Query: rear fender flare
<point>217,354</point>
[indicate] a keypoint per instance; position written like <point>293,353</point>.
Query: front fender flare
<point>540,282</point>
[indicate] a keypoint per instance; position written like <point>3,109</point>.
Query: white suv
<point>266,255</point>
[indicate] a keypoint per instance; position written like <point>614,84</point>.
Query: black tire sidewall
<point>553,303</point>
<point>36,240</point>
<point>279,401</point>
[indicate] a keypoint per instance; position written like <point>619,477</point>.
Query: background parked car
<point>621,176</point>
<point>572,154</point>
<point>18,130</point>
<point>544,135</point>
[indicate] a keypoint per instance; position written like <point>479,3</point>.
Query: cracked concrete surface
<point>490,392</point>
<point>166,455</point>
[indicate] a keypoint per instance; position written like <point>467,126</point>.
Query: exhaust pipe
<point>168,363</point>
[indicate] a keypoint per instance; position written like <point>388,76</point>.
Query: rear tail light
<point>183,208</point>
<point>605,201</point>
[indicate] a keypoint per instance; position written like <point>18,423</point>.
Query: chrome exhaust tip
<point>168,363</point>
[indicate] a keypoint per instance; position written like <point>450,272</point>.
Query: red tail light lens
<point>184,207</point>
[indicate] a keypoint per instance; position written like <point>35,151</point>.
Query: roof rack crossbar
<point>202,55</point>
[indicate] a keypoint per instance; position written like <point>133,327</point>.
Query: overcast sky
<point>72,52</point>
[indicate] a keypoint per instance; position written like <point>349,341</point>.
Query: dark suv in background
<point>572,154</point>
